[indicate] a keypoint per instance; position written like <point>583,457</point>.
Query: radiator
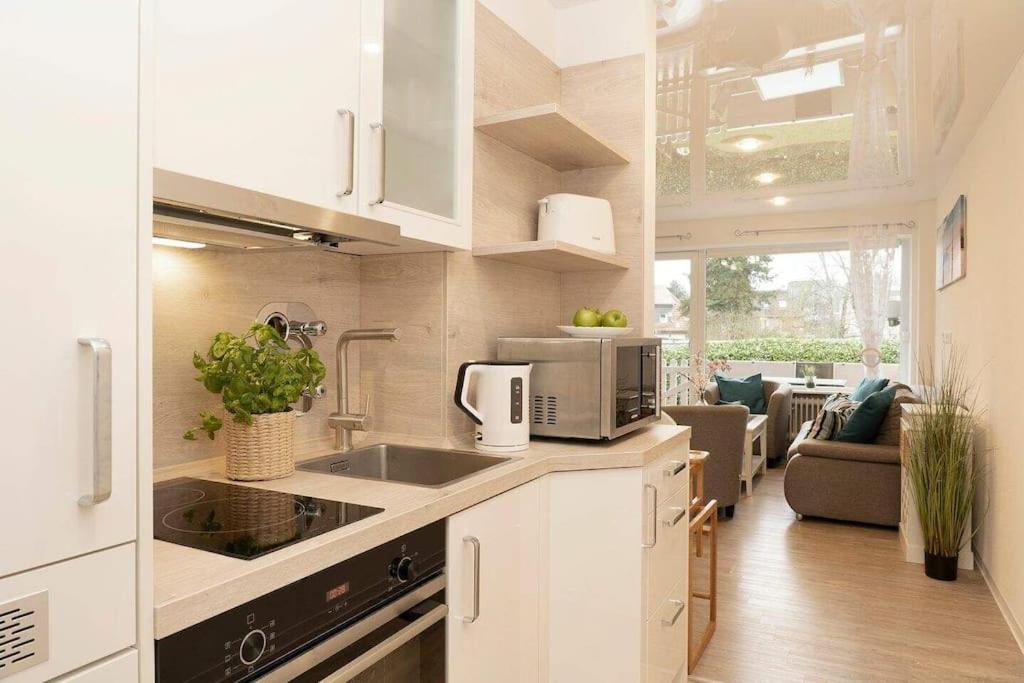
<point>805,407</point>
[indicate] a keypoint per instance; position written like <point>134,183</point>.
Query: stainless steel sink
<point>405,464</point>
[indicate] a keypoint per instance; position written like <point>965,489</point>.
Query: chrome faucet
<point>343,422</point>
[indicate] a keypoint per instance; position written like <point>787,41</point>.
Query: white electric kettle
<point>494,395</point>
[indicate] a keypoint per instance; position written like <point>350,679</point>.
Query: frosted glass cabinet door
<point>416,131</point>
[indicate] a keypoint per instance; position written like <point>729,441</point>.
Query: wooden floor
<point>814,600</point>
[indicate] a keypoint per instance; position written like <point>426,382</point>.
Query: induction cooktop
<point>243,521</point>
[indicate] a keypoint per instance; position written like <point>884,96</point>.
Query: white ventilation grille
<point>24,633</point>
<point>544,410</point>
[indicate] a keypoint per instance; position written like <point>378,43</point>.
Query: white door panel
<point>120,668</point>
<point>68,266</point>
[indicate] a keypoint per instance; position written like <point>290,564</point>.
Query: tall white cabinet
<point>359,106</point>
<point>68,270</point>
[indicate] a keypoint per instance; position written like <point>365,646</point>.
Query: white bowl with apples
<point>590,322</point>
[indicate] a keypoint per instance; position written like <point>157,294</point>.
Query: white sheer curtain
<point>872,257</point>
<point>871,156</point>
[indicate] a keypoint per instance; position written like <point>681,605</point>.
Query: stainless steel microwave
<point>589,388</point>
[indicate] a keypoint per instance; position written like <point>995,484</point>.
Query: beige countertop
<point>192,585</point>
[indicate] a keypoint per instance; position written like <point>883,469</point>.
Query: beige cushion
<point>889,432</point>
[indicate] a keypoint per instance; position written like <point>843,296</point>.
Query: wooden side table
<point>752,464</point>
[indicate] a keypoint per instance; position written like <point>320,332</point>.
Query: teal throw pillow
<point>863,425</point>
<point>867,387</point>
<point>748,390</point>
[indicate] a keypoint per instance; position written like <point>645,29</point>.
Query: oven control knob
<point>403,570</point>
<point>252,647</point>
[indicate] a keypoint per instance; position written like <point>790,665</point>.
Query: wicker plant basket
<point>263,450</point>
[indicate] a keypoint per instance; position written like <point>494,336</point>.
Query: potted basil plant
<point>258,377</point>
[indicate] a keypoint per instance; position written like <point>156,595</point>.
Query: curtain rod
<point>909,225</point>
<point>681,236</point>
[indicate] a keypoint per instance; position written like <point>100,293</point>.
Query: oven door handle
<point>386,647</point>
<point>362,628</point>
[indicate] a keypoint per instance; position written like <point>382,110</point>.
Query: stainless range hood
<point>198,210</point>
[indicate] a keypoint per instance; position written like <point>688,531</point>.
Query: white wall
<point>574,33</point>
<point>981,315</point>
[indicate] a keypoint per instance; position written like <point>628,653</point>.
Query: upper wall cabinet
<point>361,106</point>
<point>417,117</point>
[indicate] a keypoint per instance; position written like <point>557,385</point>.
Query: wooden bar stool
<point>697,460</point>
<point>704,522</point>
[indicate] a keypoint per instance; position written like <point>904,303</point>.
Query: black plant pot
<point>940,567</point>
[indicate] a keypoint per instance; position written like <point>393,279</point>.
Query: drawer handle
<point>654,517</point>
<point>382,160</point>
<point>677,466</point>
<point>680,513</point>
<point>680,606</point>
<point>348,124</point>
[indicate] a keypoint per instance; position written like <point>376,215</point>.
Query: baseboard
<point>1011,620</point>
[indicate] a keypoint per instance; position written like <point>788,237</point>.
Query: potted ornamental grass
<point>258,377</point>
<point>940,466</point>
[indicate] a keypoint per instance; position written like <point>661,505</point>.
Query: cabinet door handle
<point>348,152</point>
<point>680,606</point>
<point>653,516</point>
<point>475,614</point>
<point>382,161</point>
<point>101,421</point>
<point>680,513</point>
<point>675,467</point>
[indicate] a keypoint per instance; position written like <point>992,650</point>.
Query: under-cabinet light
<point>179,244</point>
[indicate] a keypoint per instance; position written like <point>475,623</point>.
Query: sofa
<point>852,482</point>
<point>779,399</point>
<point>720,430</point>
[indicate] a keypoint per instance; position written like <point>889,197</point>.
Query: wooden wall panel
<point>406,378</point>
<point>510,73</point>
<point>199,293</point>
<point>609,97</point>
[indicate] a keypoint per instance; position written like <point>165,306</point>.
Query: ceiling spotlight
<point>748,144</point>
<point>780,201</point>
<point>767,178</point>
<point>683,151</point>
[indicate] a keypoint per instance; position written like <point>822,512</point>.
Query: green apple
<point>587,317</point>
<point>614,318</point>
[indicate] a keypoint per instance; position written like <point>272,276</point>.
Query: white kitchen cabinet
<point>493,574</point>
<point>122,667</point>
<point>359,106</point>
<point>68,270</point>
<point>261,94</point>
<point>417,118</point>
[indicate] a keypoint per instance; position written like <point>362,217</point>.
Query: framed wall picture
<point>951,246</point>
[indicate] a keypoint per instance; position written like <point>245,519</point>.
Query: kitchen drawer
<point>666,637</point>
<point>669,473</point>
<point>666,563</point>
<point>120,668</point>
<point>77,612</point>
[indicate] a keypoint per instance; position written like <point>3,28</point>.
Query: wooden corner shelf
<point>552,137</point>
<point>559,257</point>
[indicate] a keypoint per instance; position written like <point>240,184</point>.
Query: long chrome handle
<point>680,606</point>
<point>654,517</point>
<point>101,421</point>
<point>382,161</point>
<point>475,614</point>
<point>680,513</point>
<point>378,652</point>
<point>348,124</point>
<point>675,467</point>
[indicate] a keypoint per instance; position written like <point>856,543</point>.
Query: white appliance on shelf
<point>493,394</point>
<point>68,490</point>
<point>577,219</point>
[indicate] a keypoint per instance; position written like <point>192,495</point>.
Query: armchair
<point>779,399</point>
<point>721,431</point>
